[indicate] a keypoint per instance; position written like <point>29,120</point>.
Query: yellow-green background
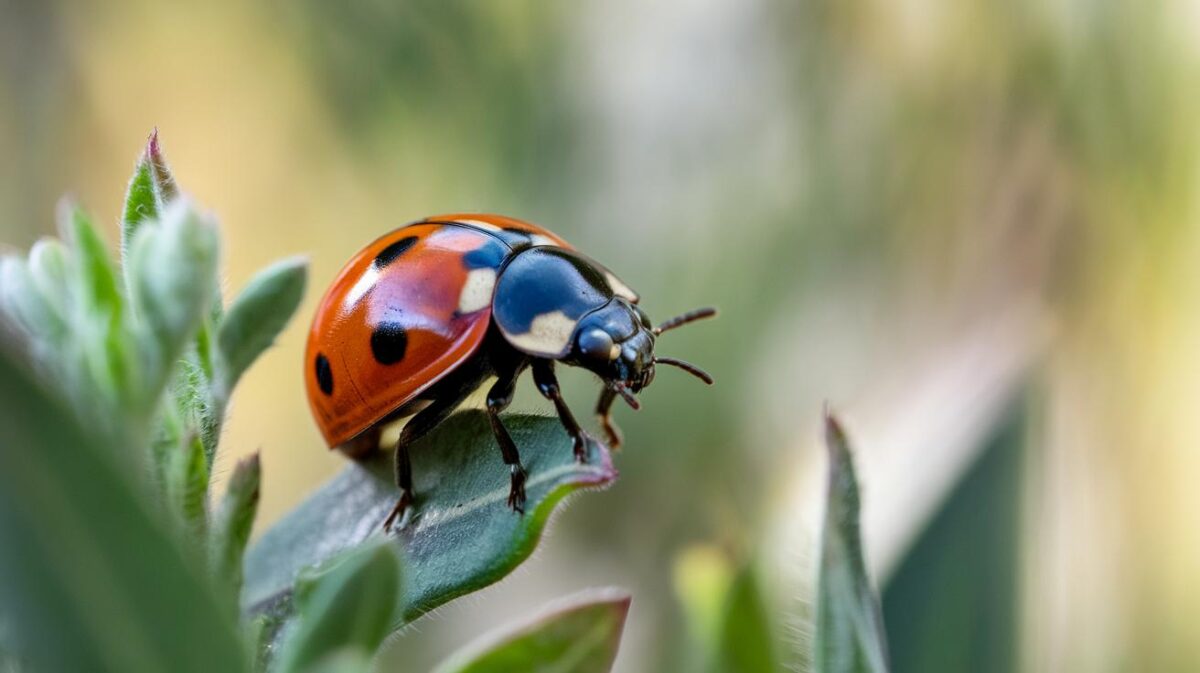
<point>918,211</point>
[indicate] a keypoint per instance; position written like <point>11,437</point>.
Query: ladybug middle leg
<point>547,383</point>
<point>498,399</point>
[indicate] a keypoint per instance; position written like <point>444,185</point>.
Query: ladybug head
<point>616,342</point>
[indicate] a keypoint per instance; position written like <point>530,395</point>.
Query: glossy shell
<point>404,312</point>
<point>543,293</point>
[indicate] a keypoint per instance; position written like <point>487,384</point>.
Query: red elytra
<point>420,291</point>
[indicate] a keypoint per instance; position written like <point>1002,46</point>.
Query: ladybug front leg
<point>604,414</point>
<point>547,383</point>
<point>498,399</point>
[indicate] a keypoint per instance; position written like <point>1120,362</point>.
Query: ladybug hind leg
<point>547,384</point>
<point>498,399</point>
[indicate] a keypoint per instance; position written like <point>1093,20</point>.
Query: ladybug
<point>422,317</point>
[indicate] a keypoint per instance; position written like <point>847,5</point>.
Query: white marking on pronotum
<point>540,239</point>
<point>361,287</point>
<point>548,334</point>
<point>620,289</point>
<point>477,291</point>
<point>481,224</point>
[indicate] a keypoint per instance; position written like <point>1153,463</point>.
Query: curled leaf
<point>460,536</point>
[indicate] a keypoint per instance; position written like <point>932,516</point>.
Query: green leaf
<point>953,602</point>
<point>141,201</point>
<point>23,304</point>
<point>257,316</point>
<point>580,636</point>
<point>174,270</point>
<point>92,579</point>
<point>460,537</point>
<point>97,277</point>
<point>49,267</point>
<point>187,485</point>
<point>108,358</point>
<point>746,640</point>
<point>850,635</point>
<point>344,611</point>
<point>232,522</point>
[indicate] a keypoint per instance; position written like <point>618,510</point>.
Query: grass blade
<point>850,636</point>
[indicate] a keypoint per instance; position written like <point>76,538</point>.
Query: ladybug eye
<point>596,344</point>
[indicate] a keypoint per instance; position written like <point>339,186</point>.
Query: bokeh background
<point>970,227</point>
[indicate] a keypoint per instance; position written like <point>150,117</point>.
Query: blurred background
<point>969,227</point>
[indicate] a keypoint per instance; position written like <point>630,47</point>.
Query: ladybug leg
<point>498,399</point>
<point>604,413</point>
<point>416,427</point>
<point>547,384</point>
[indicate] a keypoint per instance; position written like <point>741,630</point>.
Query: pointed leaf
<point>141,201</point>
<point>97,277</point>
<point>92,578</point>
<point>850,635</point>
<point>108,359</point>
<point>460,537</point>
<point>232,522</point>
<point>343,611</point>
<point>580,636</point>
<point>257,316</point>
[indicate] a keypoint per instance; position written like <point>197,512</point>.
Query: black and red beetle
<point>421,317</point>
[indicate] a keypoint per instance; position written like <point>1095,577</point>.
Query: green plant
<point>114,381</point>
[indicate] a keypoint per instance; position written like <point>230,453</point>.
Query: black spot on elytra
<point>390,253</point>
<point>324,374</point>
<point>388,343</point>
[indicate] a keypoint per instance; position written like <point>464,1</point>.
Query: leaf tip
<point>152,143</point>
<point>247,473</point>
<point>835,433</point>
<point>160,171</point>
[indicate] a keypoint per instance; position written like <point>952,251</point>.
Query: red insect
<point>421,317</point>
